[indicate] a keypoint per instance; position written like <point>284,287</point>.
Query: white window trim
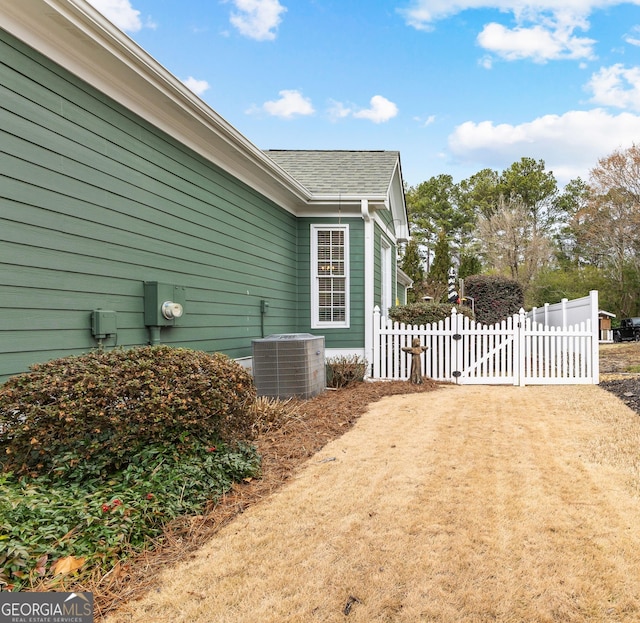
<point>315,294</point>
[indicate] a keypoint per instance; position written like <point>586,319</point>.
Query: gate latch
<point>457,336</point>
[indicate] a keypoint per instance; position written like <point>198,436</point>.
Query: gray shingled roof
<point>363,173</point>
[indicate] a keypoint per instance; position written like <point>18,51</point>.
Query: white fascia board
<point>339,205</point>
<point>333,214</point>
<point>335,199</point>
<point>79,38</point>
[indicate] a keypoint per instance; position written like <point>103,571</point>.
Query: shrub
<point>105,406</point>
<point>268,414</point>
<point>495,297</point>
<point>345,370</point>
<point>425,313</point>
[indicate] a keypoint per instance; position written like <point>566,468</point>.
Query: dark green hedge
<point>107,406</point>
<point>495,297</point>
<point>425,313</point>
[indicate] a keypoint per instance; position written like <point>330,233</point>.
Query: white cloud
<point>121,13</point>
<point>633,38</point>
<point>197,86</point>
<point>538,43</point>
<point>337,110</point>
<point>570,144</point>
<point>257,19</point>
<point>425,122</point>
<point>429,120</point>
<point>291,104</point>
<point>381,110</point>
<point>616,86</point>
<point>545,29</point>
<point>422,14</point>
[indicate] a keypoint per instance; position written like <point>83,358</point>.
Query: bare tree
<point>512,243</point>
<point>608,227</point>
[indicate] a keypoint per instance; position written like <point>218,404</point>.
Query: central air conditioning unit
<point>289,365</point>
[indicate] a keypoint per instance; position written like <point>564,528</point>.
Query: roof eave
<point>403,278</point>
<point>332,198</point>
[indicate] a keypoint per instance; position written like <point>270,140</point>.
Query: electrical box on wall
<point>103,323</point>
<point>163,304</point>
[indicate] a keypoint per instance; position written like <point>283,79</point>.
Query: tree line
<point>555,242</point>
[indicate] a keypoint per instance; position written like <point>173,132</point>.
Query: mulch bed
<point>283,450</point>
<point>627,389</point>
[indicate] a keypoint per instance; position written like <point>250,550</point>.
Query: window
<point>329,276</point>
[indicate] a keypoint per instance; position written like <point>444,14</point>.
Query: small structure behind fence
<point>516,351</point>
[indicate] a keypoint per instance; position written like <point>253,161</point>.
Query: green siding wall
<point>334,338</point>
<point>394,274</point>
<point>401,294</point>
<point>379,235</point>
<point>94,201</point>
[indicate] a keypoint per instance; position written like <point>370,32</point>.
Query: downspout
<point>368,280</point>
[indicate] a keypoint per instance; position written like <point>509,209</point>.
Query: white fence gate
<point>516,351</point>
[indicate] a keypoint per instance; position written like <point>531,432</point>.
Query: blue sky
<point>455,85</point>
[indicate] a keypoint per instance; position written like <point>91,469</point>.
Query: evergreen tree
<point>470,264</point>
<point>439,273</point>
<point>412,261</point>
<point>412,265</point>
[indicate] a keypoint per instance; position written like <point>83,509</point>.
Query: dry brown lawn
<point>464,504</point>
<point>619,358</point>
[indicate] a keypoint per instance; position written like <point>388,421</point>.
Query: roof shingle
<point>333,172</point>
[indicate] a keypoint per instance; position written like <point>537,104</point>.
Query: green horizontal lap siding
<point>377,266</point>
<point>401,294</point>
<point>394,273</point>
<point>387,218</point>
<point>94,201</point>
<point>353,337</point>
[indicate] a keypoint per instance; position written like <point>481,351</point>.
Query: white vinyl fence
<point>516,351</point>
<point>567,312</point>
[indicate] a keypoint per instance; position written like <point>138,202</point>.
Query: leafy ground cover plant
<point>78,523</point>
